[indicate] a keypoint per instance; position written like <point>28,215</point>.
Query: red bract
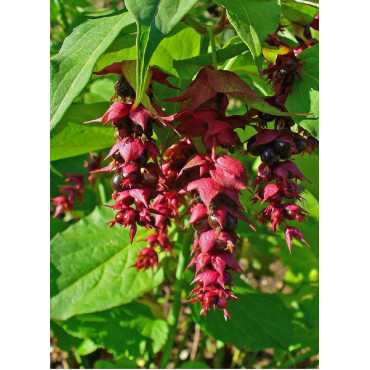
<point>146,258</point>
<point>209,88</point>
<point>291,233</point>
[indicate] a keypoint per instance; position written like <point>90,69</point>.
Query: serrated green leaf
<point>122,330</point>
<point>253,20</point>
<point>73,137</point>
<point>258,320</point>
<point>155,19</point>
<point>305,92</point>
<point>95,265</point>
<point>72,67</point>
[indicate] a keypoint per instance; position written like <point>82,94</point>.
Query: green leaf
<point>125,331</point>
<point>194,365</point>
<point>305,92</point>
<point>253,20</point>
<point>298,12</point>
<point>72,67</point>
<point>155,19</point>
<point>191,65</point>
<point>122,363</point>
<point>72,137</point>
<point>258,320</point>
<point>95,265</point>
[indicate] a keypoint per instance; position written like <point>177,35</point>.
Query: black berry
<point>116,182</point>
<point>282,148</point>
<point>300,144</point>
<point>269,156</point>
<point>117,157</point>
<point>266,116</point>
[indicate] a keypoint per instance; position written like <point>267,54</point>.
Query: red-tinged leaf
<point>239,215</point>
<point>161,77</point>
<point>233,194</point>
<point>219,265</point>
<point>267,136</point>
<point>291,233</point>
<point>207,189</point>
<point>229,172</point>
<point>226,238</point>
<point>141,195</point>
<point>206,278</point>
<point>153,150</point>
<point>207,240</point>
<point>140,115</point>
<point>196,160</point>
<point>130,148</point>
<point>198,212</point>
<point>202,261</point>
<point>110,167</point>
<point>113,68</point>
<point>291,168</point>
<point>195,245</point>
<point>198,92</point>
<point>114,113</point>
<point>133,230</point>
<point>229,259</point>
<point>220,213</point>
<point>270,191</point>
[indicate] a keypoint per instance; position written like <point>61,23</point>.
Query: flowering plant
<point>184,151</point>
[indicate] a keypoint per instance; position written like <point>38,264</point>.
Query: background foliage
<point>104,313</point>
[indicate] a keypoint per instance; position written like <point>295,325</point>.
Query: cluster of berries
<point>65,204</point>
<point>278,175</point>
<point>140,193</point>
<point>213,184</point>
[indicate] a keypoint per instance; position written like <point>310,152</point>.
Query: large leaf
<point>155,19</point>
<point>299,12</point>
<point>95,265</point>
<point>258,320</point>
<point>76,138</point>
<point>120,330</point>
<point>253,20</point>
<point>72,67</point>
<point>305,91</point>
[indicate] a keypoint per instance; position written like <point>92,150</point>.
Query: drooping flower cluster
<point>213,184</point>
<point>278,175</point>
<point>140,192</point>
<point>67,203</point>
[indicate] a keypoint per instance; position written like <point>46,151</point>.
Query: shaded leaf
<point>121,330</point>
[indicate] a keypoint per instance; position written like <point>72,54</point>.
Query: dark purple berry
<point>266,117</point>
<point>269,156</point>
<point>123,88</point>
<point>117,157</point>
<point>300,144</point>
<point>282,148</point>
<point>116,182</point>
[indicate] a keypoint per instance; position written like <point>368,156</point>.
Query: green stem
<point>63,15</point>
<point>173,316</point>
<point>102,194</point>
<point>182,344</point>
<point>213,46</point>
<point>191,21</point>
